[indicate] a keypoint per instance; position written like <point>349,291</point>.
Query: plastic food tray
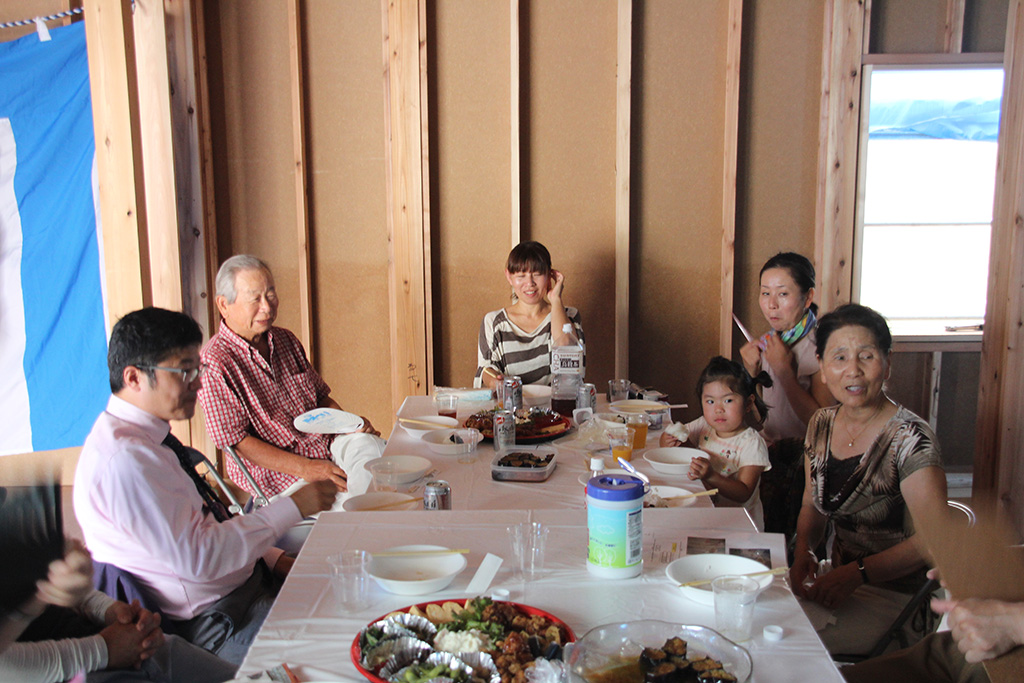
<point>500,473</point>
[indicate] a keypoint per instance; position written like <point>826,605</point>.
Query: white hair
<point>229,270</point>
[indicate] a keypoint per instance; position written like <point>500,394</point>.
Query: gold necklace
<point>846,425</point>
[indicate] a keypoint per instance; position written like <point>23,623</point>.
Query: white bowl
<point>419,430</point>
<point>611,420</point>
<point>635,405</point>
<point>536,394</point>
<point>674,460</point>
<point>675,492</point>
<point>585,477</point>
<point>439,441</point>
<point>709,566</point>
<point>374,501</point>
<point>416,574</point>
<point>408,468</point>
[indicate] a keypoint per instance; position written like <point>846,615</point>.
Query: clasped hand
<point>830,589</point>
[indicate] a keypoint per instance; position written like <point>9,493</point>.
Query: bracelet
<point>863,572</point>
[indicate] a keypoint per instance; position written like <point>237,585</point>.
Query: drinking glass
<point>349,578</point>
<point>618,390</point>
<point>734,605</point>
<point>528,540</point>
<point>621,442</point>
<point>446,404</point>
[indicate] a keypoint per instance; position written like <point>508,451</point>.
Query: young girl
<point>736,453</point>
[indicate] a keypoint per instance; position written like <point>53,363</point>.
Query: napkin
<point>481,581</point>
<point>678,430</point>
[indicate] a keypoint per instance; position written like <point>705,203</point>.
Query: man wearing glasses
<point>144,510</point>
<point>258,381</point>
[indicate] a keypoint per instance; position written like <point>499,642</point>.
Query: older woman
<point>869,462</point>
<point>517,339</point>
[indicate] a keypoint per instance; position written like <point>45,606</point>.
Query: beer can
<point>511,394</point>
<point>586,397</point>
<point>437,495</point>
<point>504,422</point>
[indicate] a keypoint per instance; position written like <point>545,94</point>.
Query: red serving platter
<point>357,653</point>
<point>564,423</point>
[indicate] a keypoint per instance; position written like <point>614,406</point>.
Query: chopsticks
<point>423,423</point>
<point>709,492</point>
<point>413,553</point>
<point>703,582</point>
<point>388,506</point>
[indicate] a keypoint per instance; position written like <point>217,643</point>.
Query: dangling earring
<point>514,297</point>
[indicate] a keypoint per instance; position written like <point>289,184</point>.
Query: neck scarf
<point>795,333</point>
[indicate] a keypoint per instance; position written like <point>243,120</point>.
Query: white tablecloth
<point>473,488</point>
<point>306,629</point>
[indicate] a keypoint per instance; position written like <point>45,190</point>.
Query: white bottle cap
<point>597,464</point>
<point>772,632</point>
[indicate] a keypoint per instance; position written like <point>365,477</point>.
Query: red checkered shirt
<point>244,395</point>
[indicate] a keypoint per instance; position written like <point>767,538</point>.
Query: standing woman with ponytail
<point>787,353</point>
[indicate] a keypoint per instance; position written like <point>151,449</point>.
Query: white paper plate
<point>328,421</point>
<point>416,574</point>
<point>635,405</point>
<point>585,477</point>
<point>710,566</point>
<point>409,467</point>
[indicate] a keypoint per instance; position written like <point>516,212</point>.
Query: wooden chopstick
<point>413,553</point>
<point>434,425</point>
<point>773,572</point>
<point>388,506</point>
<point>709,492</point>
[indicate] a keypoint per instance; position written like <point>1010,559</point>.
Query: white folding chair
<point>258,499</point>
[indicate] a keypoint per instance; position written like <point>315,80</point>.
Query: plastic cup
<point>528,540</point>
<point>621,442</point>
<point>446,404</point>
<point>349,578</point>
<point>637,424</point>
<point>469,437</point>
<point>385,475</point>
<point>618,390</point>
<point>734,605</point>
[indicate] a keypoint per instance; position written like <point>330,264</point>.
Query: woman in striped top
<point>517,339</point>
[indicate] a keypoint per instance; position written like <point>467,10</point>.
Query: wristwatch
<point>863,572</point>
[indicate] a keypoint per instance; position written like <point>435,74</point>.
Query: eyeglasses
<point>188,375</point>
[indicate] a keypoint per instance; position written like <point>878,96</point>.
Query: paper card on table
<point>484,574</point>
<point>979,562</point>
<point>698,545</point>
<point>762,555</point>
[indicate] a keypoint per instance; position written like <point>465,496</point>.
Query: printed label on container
<point>616,537</point>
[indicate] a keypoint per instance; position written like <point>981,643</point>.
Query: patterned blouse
<point>868,513</point>
<point>506,348</point>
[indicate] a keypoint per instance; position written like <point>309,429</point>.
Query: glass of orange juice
<point>621,441</point>
<point>637,424</point>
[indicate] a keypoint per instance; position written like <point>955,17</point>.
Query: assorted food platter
<point>412,643</point>
<point>534,425</point>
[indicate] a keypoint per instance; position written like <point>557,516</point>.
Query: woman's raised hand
<point>778,354</point>
<point>557,283</point>
<point>751,355</point>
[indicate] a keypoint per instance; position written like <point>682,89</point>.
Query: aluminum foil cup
<point>482,662</point>
<point>447,658</point>
<point>410,625</point>
<point>396,653</point>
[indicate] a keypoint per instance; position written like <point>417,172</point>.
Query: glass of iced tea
<point>637,424</point>
<point>621,441</point>
<point>446,404</point>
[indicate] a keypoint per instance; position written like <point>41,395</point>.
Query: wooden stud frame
<point>301,193</point>
<point>114,84</point>
<point>999,460</point>
<point>408,225</point>
<point>515,193</point>
<point>953,40</point>
<point>729,163</point>
<point>623,111</point>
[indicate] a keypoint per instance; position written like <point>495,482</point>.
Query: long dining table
<point>307,630</point>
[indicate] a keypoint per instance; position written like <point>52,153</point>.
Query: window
<point>928,179</point>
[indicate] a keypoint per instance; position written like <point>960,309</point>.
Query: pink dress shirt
<point>244,395</point>
<point>140,511</point>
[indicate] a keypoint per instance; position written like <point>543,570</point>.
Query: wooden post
<point>999,445</point>
<point>301,194</point>
<point>954,32</point>
<point>623,117</point>
<point>516,189</point>
<point>842,52</point>
<point>115,111</point>
<point>158,153</point>
<point>729,161</point>
<point>408,229</point>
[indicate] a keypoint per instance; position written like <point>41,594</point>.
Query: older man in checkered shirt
<point>258,379</point>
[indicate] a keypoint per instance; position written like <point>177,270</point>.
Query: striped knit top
<point>506,348</point>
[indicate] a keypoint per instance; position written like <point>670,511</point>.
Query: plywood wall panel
<point>252,137</point>
<point>347,201</point>
<point>471,173</point>
<point>908,26</point>
<point>677,202</point>
<point>778,142</point>
<point>569,160</point>
<point>985,25</point>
